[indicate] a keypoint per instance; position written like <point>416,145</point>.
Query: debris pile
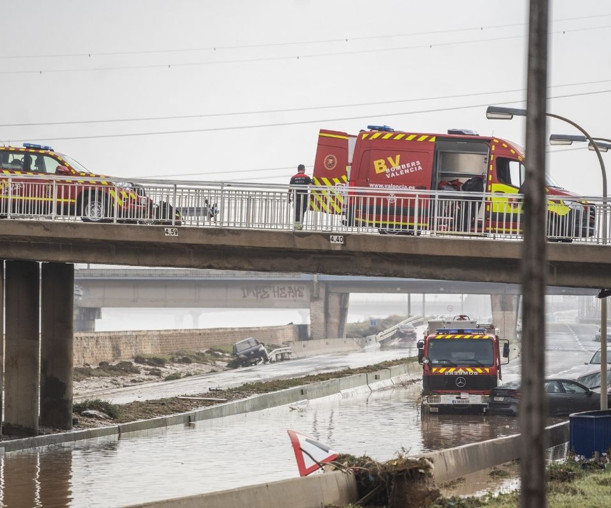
<point>396,483</point>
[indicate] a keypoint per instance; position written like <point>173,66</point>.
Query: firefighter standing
<point>299,189</point>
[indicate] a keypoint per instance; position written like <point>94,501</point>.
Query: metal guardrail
<point>334,210</point>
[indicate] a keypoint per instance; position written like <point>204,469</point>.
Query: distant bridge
<point>96,288</point>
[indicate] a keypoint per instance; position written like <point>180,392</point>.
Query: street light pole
<point>595,144</point>
<point>534,265</point>
<point>501,113</point>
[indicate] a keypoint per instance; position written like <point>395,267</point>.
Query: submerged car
<point>564,396</point>
<point>250,352</point>
<point>35,180</point>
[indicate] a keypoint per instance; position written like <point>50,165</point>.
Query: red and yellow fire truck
<point>400,181</point>
<point>461,363</point>
<point>37,180</point>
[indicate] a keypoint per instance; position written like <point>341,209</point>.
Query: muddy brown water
<point>231,452</point>
<point>253,448</point>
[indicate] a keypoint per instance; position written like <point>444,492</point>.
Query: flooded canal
<point>231,452</point>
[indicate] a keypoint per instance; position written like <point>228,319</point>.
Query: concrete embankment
<point>95,347</point>
<point>319,489</point>
<point>339,488</point>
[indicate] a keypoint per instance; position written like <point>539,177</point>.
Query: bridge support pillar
<point>328,313</point>
<point>505,314</point>
<point>1,344</point>
<point>84,318</point>
<point>57,330</point>
<point>22,348</point>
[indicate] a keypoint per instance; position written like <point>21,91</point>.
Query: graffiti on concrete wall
<point>275,292</point>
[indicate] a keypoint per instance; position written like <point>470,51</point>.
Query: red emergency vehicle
<point>400,181</point>
<point>461,363</point>
<point>37,180</point>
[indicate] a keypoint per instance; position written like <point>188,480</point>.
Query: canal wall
<point>339,488</point>
<point>91,348</point>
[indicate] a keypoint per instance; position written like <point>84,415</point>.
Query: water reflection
<point>231,452</point>
<point>35,479</point>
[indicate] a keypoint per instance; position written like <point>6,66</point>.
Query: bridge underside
<point>477,260</point>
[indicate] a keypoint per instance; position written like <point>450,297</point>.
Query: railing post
<point>115,204</point>
<point>9,205</point>
<point>174,207</point>
<point>54,202</point>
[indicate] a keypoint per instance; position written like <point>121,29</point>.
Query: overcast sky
<point>237,90</point>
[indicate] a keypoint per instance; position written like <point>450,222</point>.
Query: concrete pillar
<point>1,343</point>
<point>318,303</point>
<point>57,334</point>
<point>336,313</point>
<point>504,314</point>
<point>22,348</point>
<point>328,313</point>
<point>84,318</point>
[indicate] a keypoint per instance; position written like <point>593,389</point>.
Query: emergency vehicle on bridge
<point>64,187</point>
<point>397,181</point>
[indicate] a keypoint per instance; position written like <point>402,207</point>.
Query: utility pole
<point>534,267</point>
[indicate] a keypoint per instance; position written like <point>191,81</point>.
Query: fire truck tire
<point>93,207</point>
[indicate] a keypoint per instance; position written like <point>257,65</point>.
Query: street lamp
<point>568,139</point>
<point>598,145</point>
<point>502,113</point>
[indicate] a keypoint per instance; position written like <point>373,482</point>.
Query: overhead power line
<point>170,66</point>
<point>346,39</point>
<point>284,124</point>
<point>291,110</point>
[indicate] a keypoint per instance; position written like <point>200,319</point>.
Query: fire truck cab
<point>460,365</point>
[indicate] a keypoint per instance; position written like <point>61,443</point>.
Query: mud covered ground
<point>88,380</point>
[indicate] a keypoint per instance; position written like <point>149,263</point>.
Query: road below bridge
<point>254,448</point>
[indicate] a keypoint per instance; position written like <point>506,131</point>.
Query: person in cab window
<point>299,189</point>
<point>39,165</point>
<point>27,162</point>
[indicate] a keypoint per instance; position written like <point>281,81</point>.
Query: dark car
<point>250,352</point>
<point>564,396</point>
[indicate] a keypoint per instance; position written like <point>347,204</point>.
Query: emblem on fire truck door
<point>330,162</point>
<point>461,382</point>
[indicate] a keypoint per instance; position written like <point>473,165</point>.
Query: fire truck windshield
<point>458,352</point>
<point>75,164</point>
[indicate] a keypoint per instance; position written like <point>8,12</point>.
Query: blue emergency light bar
<point>37,147</point>
<point>460,330</point>
<point>380,128</point>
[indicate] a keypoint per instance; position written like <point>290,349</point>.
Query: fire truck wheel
<point>94,207</point>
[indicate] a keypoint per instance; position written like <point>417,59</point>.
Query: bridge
<point>253,231</point>
<point>97,288</point>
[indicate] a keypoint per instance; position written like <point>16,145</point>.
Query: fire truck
<point>461,362</point>
<point>37,180</point>
<point>406,182</point>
